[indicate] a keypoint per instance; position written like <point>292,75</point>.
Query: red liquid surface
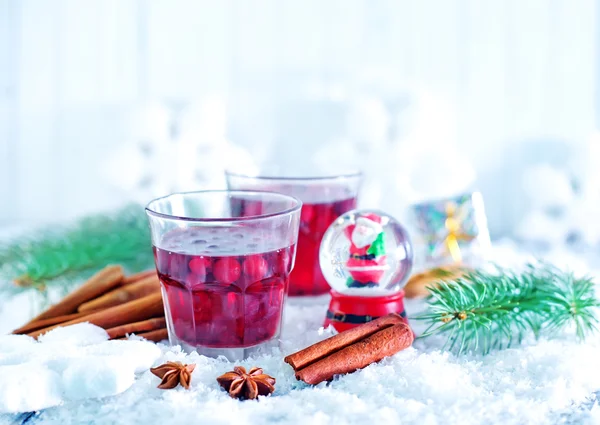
<point>307,278</point>
<point>217,298</point>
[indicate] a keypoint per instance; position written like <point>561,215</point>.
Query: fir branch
<point>57,257</point>
<point>483,311</point>
<point>572,301</point>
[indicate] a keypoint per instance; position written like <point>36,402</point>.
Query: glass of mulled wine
<point>323,198</point>
<point>224,272</point>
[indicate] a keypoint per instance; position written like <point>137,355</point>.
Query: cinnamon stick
<point>156,336</point>
<point>131,312</point>
<point>44,323</point>
<point>122,294</point>
<point>137,276</point>
<point>103,281</point>
<point>143,326</point>
<point>381,344</point>
<point>329,346</point>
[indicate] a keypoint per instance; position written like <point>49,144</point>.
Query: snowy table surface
<point>542,382</point>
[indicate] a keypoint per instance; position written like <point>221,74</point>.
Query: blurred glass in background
<point>105,101</point>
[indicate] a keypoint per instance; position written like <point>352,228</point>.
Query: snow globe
<point>366,257</point>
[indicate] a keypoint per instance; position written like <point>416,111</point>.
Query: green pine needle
<point>60,255</point>
<point>484,311</point>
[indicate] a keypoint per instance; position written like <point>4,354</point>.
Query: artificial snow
<point>28,387</point>
<point>541,382</point>
<point>71,363</point>
<point>139,355</point>
<point>96,376</point>
<point>79,334</point>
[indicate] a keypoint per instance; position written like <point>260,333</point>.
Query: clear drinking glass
<point>323,199</point>
<point>224,271</point>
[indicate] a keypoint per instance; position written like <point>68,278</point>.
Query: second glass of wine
<point>324,198</point>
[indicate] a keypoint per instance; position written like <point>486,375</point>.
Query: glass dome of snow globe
<point>366,253</point>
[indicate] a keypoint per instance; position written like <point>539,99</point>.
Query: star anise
<point>173,374</point>
<point>249,385</point>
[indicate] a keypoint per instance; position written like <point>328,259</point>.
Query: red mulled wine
<point>315,218</point>
<point>223,287</point>
<point>307,278</point>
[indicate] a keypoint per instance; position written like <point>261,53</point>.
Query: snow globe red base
<point>366,257</point>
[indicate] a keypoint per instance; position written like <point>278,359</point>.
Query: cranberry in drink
<point>225,287</point>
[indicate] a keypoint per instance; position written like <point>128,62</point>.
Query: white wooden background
<point>71,72</point>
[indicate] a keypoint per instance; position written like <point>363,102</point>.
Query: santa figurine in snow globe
<point>366,257</point>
